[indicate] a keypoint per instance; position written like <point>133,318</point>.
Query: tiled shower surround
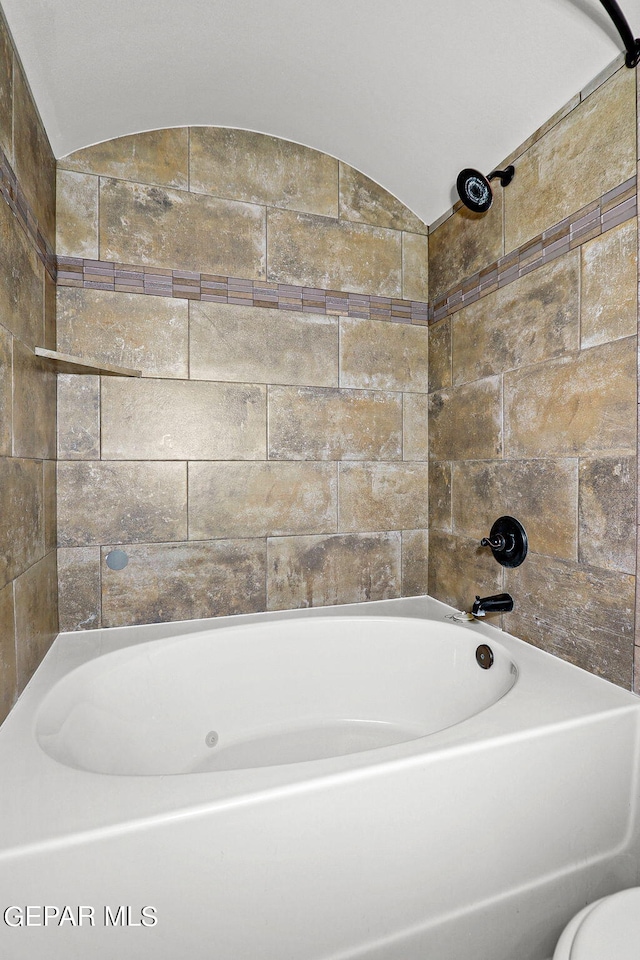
<point>533,387</point>
<point>28,593</point>
<point>323,383</point>
<point>274,454</point>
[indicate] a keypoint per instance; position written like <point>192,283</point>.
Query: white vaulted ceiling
<point>408,91</point>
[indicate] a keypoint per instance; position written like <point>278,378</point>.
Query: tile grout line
<point>98,212</point>
<point>188,485</point>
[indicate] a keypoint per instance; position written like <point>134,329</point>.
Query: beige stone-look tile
<point>36,604</point>
<point>320,423</point>
<point>541,131</point>
<point>129,330</point>
<point>415,563</point>
<point>21,285</point>
<point>440,496</point>
<point>262,345</point>
<point>79,588</point>
<point>465,423</point>
<point>323,571</point>
<point>34,405</point>
<point>609,655</point>
<point>78,417</point>
<point>534,318</point>
<point>6,91</point>
<point>464,244</point>
<point>182,420</point>
<point>460,570</point>
<point>415,267</point>
<point>6,390</point>
<point>607,517</point>
<point>176,230</point>
<point>383,496</point>
<point>76,215</point>
<point>415,414</point>
<point>8,680</point>
<point>588,153</point>
<point>35,165</point>
<point>609,291</point>
<point>333,254</point>
<point>440,354</point>
<point>184,581</point>
<point>22,518</point>
<point>365,201</point>
<point>121,502</point>
<point>584,614</point>
<point>50,499</point>
<point>580,405</point>
<point>378,355</point>
<point>49,341</point>
<point>235,500</point>
<point>157,157</point>
<point>256,168</point>
<point>541,494</point>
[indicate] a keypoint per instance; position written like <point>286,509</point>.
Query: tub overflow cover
<point>484,656</point>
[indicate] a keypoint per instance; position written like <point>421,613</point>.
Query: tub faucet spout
<point>500,603</point>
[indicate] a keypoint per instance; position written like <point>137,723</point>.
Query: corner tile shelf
<point>64,363</point>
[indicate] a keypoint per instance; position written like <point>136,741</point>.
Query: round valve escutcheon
<point>508,541</point>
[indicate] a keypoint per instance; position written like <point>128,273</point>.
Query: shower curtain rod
<point>620,21</point>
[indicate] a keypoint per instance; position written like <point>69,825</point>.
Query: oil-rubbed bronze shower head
<point>474,189</point>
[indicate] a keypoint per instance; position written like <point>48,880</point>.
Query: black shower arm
<point>504,176</point>
<point>620,22</point>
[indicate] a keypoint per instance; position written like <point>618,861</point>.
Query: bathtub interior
<point>268,694</point>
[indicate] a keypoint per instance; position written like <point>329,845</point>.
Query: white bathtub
<point>264,694</point>
<point>322,785</point>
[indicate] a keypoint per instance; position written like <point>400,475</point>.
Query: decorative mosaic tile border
<point>132,278</point>
<point>128,278</point>
<point>12,192</point>
<point>610,210</point>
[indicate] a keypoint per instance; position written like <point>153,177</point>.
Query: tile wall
<point>299,426</point>
<point>28,592</point>
<point>533,386</point>
<point>274,453</point>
